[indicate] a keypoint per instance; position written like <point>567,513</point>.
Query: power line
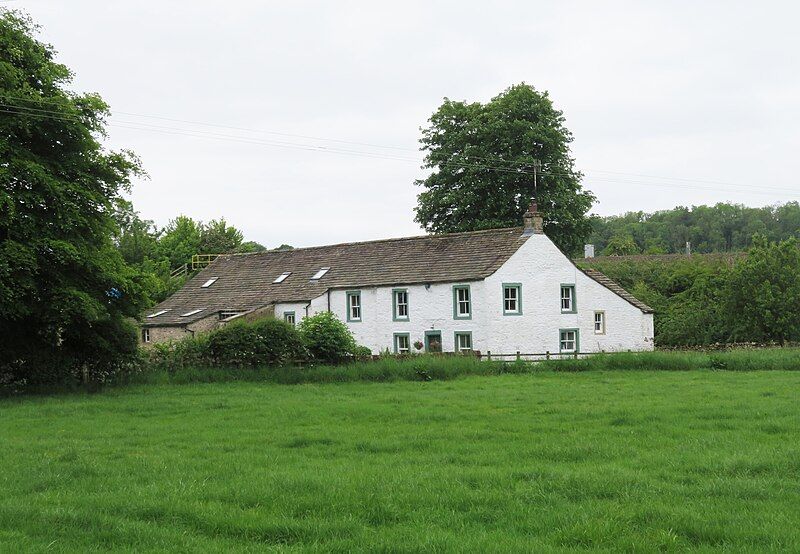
<point>399,148</point>
<point>137,125</point>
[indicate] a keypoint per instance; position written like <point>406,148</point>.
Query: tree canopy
<point>65,289</point>
<point>156,252</point>
<point>724,227</point>
<point>482,157</point>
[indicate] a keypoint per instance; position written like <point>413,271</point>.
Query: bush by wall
<point>327,339</point>
<point>263,342</point>
<point>702,300</point>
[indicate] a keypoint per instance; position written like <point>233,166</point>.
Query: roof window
<point>282,277</point>
<point>158,313</point>
<point>318,275</point>
<point>209,282</point>
<point>187,314</point>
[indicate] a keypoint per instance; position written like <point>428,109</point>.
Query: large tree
<point>764,292</point>
<point>65,290</point>
<point>483,157</point>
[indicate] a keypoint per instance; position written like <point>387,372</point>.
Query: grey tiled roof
<point>245,281</point>
<point>614,287</point>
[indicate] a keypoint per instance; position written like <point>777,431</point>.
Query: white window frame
<point>570,298</point>
<point>209,283</point>
<point>517,288</point>
<point>457,342</point>
<point>462,296</point>
<point>158,313</point>
<point>320,274</point>
<point>145,335</point>
<point>397,305</point>
<point>351,317</point>
<point>602,322</point>
<point>192,312</point>
<point>282,277</point>
<point>563,339</point>
<point>400,349</point>
<point>290,318</point>
<point>230,313</point>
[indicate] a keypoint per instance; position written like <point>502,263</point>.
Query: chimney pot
<point>533,220</point>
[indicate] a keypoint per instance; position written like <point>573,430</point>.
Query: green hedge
<point>265,342</point>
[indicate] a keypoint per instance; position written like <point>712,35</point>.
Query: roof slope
<point>245,281</point>
<point>617,289</point>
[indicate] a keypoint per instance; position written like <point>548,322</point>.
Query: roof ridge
<point>375,241</point>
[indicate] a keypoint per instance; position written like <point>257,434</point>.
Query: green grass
<point>427,368</point>
<point>544,461</point>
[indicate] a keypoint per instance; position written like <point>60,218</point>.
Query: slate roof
<point>616,288</point>
<point>245,281</point>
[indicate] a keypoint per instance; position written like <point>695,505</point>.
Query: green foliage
<point>65,289</point>
<point>251,246</point>
<point>466,143</point>
<point>266,341</point>
<point>764,292</point>
<point>326,337</point>
<point>620,245</point>
<point>155,252</point>
<point>180,240</point>
<point>723,227</point>
<point>702,300</point>
<point>217,237</point>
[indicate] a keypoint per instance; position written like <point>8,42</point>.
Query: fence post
<point>489,355</point>
<point>518,358</point>
<point>576,354</point>
<point>547,355</point>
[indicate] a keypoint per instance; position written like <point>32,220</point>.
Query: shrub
<point>362,353</point>
<point>326,338</point>
<point>178,354</point>
<point>264,342</point>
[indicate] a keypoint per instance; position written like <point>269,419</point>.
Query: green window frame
<point>398,305</point>
<point>562,339</point>
<point>568,301</point>
<point>354,307</point>
<point>462,296</point>
<point>398,349</point>
<point>457,343</point>
<point>517,288</point>
<point>289,317</point>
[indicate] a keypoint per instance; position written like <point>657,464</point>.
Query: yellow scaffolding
<point>199,261</point>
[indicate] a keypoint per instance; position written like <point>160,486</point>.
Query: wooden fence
<point>517,356</point>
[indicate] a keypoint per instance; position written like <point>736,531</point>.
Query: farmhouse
<point>500,290</point>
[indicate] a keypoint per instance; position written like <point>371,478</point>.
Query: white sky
<point>704,91</point>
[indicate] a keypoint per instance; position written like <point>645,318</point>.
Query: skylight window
<point>318,275</point>
<point>209,282</point>
<point>187,314</point>
<point>282,277</point>
<point>158,313</point>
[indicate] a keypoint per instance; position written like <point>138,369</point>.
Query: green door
<point>433,342</point>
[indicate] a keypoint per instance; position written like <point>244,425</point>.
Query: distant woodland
<point>723,227</point>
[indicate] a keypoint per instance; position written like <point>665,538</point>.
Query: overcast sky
<point>670,103</point>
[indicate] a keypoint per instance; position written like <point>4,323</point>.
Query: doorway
<point>433,342</point>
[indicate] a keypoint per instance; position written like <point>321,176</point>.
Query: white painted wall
<point>299,309</point>
<point>541,269</point>
<point>429,308</point>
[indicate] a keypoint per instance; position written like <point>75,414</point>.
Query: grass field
<point>634,460</point>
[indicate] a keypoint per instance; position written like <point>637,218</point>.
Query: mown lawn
<point>539,462</point>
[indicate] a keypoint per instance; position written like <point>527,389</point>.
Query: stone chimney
<point>534,223</point>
